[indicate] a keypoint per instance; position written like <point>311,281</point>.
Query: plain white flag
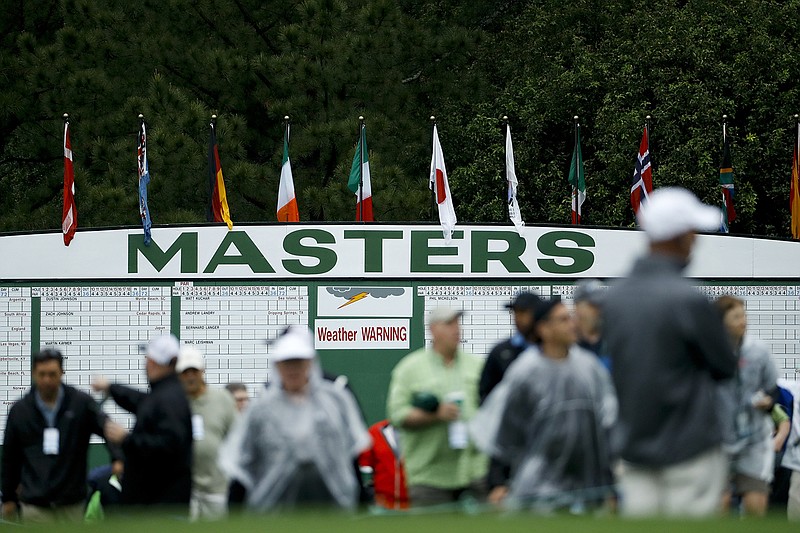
<point>511,175</point>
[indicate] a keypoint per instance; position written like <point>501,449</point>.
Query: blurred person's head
<point>293,353</point>
<point>671,217</point>
<point>161,357</point>
<point>555,329</point>
<point>588,301</point>
<point>48,369</point>
<point>191,371</point>
<point>733,316</point>
<point>540,308</point>
<point>445,326</point>
<point>522,309</point>
<point>240,395</point>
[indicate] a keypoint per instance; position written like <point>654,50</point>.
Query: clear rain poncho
<point>551,421</point>
<point>280,438</point>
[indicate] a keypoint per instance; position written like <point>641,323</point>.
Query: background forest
<point>325,62</point>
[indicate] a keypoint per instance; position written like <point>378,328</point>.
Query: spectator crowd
<point>642,399</point>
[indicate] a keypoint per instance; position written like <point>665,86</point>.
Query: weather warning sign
<point>363,318</point>
<point>361,334</point>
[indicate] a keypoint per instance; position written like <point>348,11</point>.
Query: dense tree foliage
<point>325,62</point>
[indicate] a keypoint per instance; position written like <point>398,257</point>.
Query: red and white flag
<point>441,188</point>
<point>69,214</point>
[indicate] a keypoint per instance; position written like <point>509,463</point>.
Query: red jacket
<point>389,476</point>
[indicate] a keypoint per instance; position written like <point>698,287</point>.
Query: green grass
<point>435,523</point>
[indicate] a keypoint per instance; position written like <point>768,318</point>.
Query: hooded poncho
<point>551,420</point>
<point>281,436</point>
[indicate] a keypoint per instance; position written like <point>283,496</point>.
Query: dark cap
<point>544,307</point>
<point>524,301</point>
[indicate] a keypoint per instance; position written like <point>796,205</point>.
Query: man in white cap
<point>432,394</point>
<point>158,451</point>
<point>213,414</point>
<point>296,444</point>
<point>669,351</point>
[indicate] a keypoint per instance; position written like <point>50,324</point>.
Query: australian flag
<point>144,180</point>
<point>642,181</point>
<point>726,183</point>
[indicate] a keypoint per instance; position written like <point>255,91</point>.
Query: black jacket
<point>49,480</point>
<point>497,362</point>
<point>158,452</point>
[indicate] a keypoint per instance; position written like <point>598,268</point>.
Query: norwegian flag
<point>642,181</point>
<point>69,213</point>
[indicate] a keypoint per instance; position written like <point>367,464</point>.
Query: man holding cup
<point>432,395</point>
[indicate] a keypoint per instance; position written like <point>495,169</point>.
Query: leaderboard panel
<point>102,330</point>
<point>773,315</point>
<point>232,324</point>
<point>15,347</point>
<point>486,319</point>
<point>773,311</point>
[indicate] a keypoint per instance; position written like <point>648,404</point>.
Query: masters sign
<point>370,251</point>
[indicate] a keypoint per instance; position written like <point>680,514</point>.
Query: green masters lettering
<point>249,254</point>
<point>582,260</point>
<point>421,252</point>
<point>510,257</point>
<point>186,244</point>
<point>373,246</point>
<point>326,258</point>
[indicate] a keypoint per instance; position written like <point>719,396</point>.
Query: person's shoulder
<point>220,395</point>
<point>412,359</point>
<point>587,359</point>
<point>501,347</point>
<point>75,395</point>
<point>22,405</point>
<point>755,347</point>
<point>524,365</point>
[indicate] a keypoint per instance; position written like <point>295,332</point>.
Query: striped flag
<point>577,178</point>
<point>642,182</point>
<point>144,181</point>
<point>69,213</point>
<point>441,189</point>
<point>511,177</point>
<point>360,180</point>
<point>287,201</point>
<point>218,208</point>
<point>794,191</point>
<point>726,183</point>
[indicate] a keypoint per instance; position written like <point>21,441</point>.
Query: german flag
<point>218,209</point>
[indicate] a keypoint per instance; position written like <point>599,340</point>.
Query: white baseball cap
<point>162,350</point>
<point>190,357</point>
<point>673,211</point>
<point>444,315</point>
<point>295,343</point>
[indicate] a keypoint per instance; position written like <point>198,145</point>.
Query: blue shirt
<point>48,413</point>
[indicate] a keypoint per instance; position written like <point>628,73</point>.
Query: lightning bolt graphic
<point>357,297</point>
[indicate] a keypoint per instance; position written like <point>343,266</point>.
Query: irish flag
<point>359,182</point>
<point>441,189</point>
<point>287,201</point>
